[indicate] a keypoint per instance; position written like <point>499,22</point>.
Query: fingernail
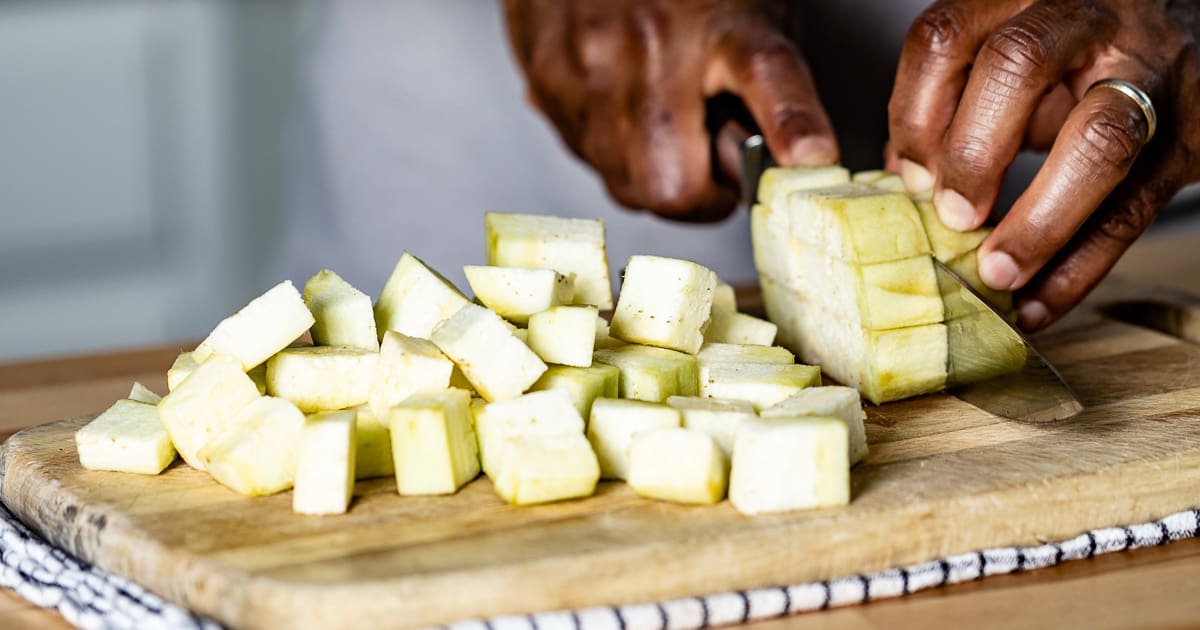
<point>954,209</point>
<point>916,178</point>
<point>999,271</point>
<point>1034,315</point>
<point>815,151</point>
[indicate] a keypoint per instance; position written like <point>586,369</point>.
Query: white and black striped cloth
<point>90,598</point>
<point>87,597</point>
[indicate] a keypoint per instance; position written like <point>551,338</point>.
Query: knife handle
<point>739,154</point>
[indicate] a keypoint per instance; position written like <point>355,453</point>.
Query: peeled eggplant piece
<point>847,276</point>
<point>778,182</point>
<point>857,223</point>
<point>947,244</point>
<point>884,365</point>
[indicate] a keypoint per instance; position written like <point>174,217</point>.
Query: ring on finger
<point>1138,96</point>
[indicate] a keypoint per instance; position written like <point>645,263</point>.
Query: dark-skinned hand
<point>626,84</point>
<point>981,79</point>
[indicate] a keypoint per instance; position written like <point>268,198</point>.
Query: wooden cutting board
<point>942,477</point>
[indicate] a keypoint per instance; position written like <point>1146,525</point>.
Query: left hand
<point>981,79</point>
<point>628,84</point>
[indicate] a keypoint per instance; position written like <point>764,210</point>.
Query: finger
<point>1099,142</point>
<point>759,64</point>
<point>891,159</point>
<point>937,53</point>
<point>607,124</point>
<point>604,56</point>
<point>1016,67</point>
<point>661,139</point>
<point>603,145</point>
<point>518,21</point>
<point>1092,253</point>
<point>554,86</point>
<point>600,44</point>
<point>670,158</point>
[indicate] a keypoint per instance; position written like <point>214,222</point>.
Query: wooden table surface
<point>1148,587</point>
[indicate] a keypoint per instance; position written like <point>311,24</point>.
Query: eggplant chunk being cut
<point>847,274</point>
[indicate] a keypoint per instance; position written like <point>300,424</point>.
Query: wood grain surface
<point>942,478</point>
<point>1151,587</point>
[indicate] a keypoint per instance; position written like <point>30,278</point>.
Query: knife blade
<point>756,158</point>
<point>994,366</point>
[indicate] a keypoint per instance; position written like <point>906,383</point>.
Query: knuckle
<point>939,29</point>
<point>597,47</point>
<point>1109,140</point>
<point>969,154</point>
<point>1015,55</point>
<point>1065,285</point>
<point>594,51</point>
<point>1135,209</point>
<point>769,58</point>
<point>795,119</point>
<point>907,129</point>
<point>1125,223</point>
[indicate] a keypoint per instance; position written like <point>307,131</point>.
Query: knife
<point>756,158</point>
<point>1012,379</point>
<point>993,365</point>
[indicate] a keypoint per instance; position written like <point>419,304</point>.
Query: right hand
<point>979,80</point>
<point>626,82</point>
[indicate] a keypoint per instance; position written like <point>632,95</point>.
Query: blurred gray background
<point>161,163</point>
<point>141,166</point>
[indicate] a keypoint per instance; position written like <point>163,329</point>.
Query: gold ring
<point>1138,96</point>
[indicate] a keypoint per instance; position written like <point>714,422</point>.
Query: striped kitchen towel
<point>90,598</point>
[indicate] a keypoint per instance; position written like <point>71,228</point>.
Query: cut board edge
<point>244,599</point>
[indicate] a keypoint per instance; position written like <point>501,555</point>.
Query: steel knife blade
<point>993,365</point>
<point>756,158</point>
